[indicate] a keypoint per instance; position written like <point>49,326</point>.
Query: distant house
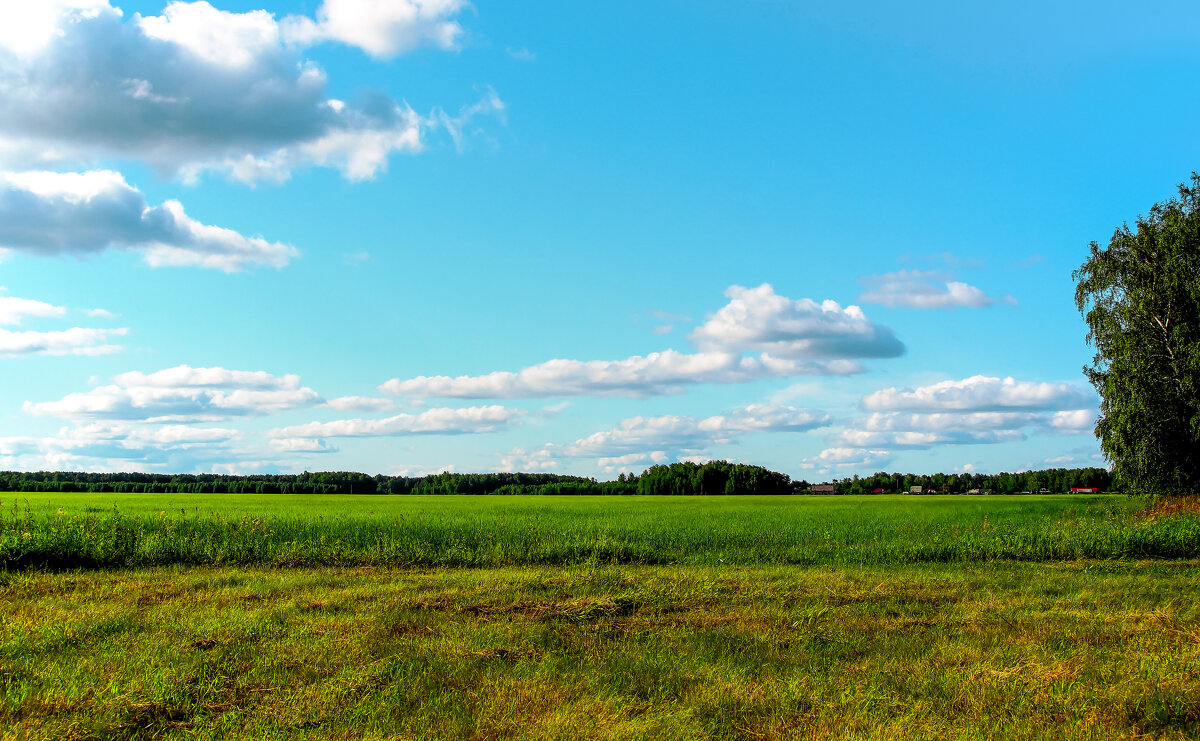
<point>823,489</point>
<point>917,490</point>
<point>878,491</point>
<point>1084,490</point>
<point>973,491</point>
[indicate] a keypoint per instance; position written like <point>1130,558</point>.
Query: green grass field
<point>91,531</point>
<point>616,618</point>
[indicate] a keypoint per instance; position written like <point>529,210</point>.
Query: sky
<point>412,236</point>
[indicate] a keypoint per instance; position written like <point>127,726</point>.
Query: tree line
<point>713,478</point>
<point>716,477</point>
<point>1053,480</point>
<point>326,482</point>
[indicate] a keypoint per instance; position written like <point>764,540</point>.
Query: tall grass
<point>83,531</point>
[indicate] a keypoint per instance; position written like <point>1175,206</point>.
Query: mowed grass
<point>1000,650</point>
<point>106,531</point>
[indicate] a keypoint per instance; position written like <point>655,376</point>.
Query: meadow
<point>65,530</point>
<point>599,618</point>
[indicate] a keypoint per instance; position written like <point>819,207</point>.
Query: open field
<point>542,618</point>
<point>1079,650</point>
<point>123,530</point>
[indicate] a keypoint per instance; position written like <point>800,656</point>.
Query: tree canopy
<point>1140,296</point>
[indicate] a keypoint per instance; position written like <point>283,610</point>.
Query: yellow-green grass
<point>113,530</point>
<point>1007,650</point>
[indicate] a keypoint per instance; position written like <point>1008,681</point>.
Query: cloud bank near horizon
<point>788,338</point>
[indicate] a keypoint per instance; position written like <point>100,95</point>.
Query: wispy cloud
<point>916,289</point>
<point>73,341</point>
<point>438,421</point>
<point>521,54</point>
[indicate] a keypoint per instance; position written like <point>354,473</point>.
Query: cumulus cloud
<point>182,394</point>
<point>302,445</point>
<point>105,445</point>
<point>758,319</point>
<point>850,458</point>
<point>659,439</point>
<point>13,310</point>
<point>916,289</point>
<point>53,212</point>
<point>1074,421</point>
<point>200,89</point>
<point>73,341</point>
<point>980,410</point>
<point>360,404</point>
<point>657,373</point>
<point>923,438</point>
<point>382,29</point>
<point>981,393</point>
<point>439,421</point>
<point>791,338</point>
<point>216,36</point>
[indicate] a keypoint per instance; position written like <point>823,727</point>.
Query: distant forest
<point>677,479</point>
<point>1053,480</point>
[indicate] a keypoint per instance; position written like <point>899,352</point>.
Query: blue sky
<point>420,235</point>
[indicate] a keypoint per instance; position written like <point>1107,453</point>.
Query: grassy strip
<point>71,531</point>
<point>1083,650</point>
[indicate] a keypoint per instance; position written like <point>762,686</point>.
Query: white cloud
<point>850,457</point>
<point>657,373</point>
<point>920,438</point>
<point>52,212</point>
<point>981,393</point>
<point>632,461</point>
<point>980,410</point>
<point>1074,421</point>
<point>73,341</point>
<point>200,89</point>
<point>360,404</point>
<point>13,310</point>
<point>792,338</point>
<point>216,36</point>
<point>522,54</point>
<point>239,468</point>
<point>186,375</point>
<point>302,445</point>
<point>100,314</point>
<point>758,319</point>
<point>419,471</point>
<point>489,104</point>
<point>916,289</point>
<point>1059,461</point>
<point>658,439</point>
<point>438,421</point>
<point>104,445</point>
<point>29,26</point>
<point>382,28</point>
<point>182,394</point>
